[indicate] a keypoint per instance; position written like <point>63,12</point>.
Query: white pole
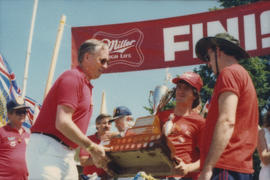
<point>103,107</point>
<point>55,54</point>
<point>29,48</point>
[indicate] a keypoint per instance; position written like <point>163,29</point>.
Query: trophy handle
<point>165,99</point>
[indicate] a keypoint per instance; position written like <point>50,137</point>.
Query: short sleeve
<point>228,81</point>
<point>69,89</point>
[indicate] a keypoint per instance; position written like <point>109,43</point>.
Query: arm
<point>67,127</point>
<point>262,148</point>
<point>224,128</point>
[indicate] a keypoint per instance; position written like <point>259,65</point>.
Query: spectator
<point>264,148</point>
<point>103,126</point>
<point>14,139</point>
<point>231,125</point>
<point>123,119</point>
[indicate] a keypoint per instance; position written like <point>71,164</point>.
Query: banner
<point>170,42</point>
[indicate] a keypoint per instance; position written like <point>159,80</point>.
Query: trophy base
<point>154,160</point>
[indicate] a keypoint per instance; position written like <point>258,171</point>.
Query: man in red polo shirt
<point>103,126</point>
<point>231,128</point>
<point>13,143</point>
<point>64,117</point>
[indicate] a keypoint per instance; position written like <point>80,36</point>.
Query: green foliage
<point>232,3</point>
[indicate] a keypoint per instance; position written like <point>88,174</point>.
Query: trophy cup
<point>144,147</point>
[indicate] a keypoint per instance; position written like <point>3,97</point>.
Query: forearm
<point>68,128</point>
<point>194,167</point>
<point>222,134</point>
<point>73,133</point>
<point>265,157</point>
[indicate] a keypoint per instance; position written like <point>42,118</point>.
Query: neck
<point>84,71</point>
<point>227,61</point>
<point>16,126</point>
<point>182,109</point>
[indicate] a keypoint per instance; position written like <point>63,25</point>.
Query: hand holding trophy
<point>144,148</point>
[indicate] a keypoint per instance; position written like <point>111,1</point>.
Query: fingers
<point>107,149</point>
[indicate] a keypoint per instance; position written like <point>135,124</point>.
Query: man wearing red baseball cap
<point>183,125</point>
<point>13,140</point>
<point>232,120</point>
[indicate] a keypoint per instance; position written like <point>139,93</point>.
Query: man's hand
<point>181,168</point>
<point>98,155</point>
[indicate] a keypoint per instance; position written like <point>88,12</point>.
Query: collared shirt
<point>12,153</point>
<point>71,89</point>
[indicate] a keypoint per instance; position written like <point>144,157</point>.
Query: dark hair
<point>266,120</point>
<point>90,46</point>
<point>227,50</point>
<point>102,116</point>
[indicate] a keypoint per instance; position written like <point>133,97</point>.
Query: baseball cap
<point>14,104</point>
<point>191,78</point>
<point>226,40</point>
<point>121,111</point>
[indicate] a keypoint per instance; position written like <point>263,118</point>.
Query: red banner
<point>170,42</point>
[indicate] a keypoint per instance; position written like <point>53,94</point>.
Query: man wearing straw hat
<point>64,117</point>
<point>231,129</point>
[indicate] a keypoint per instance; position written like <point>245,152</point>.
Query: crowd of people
<point>218,146</point>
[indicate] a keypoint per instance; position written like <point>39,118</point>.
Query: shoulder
<point>196,118</point>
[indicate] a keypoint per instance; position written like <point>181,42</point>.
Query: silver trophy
<point>161,96</point>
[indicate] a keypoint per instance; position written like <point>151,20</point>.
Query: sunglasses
<point>104,61</point>
<point>20,112</point>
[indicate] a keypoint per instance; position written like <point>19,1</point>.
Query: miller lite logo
<point>125,48</point>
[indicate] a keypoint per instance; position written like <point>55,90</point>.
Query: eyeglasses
<point>20,112</point>
<point>103,61</point>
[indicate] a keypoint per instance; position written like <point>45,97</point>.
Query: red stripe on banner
<point>170,42</point>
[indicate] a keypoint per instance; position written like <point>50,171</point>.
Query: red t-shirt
<point>237,156</point>
<point>185,136</point>
<point>12,154</point>
<point>91,168</point>
<point>71,89</point>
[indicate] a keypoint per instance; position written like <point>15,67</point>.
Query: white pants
<point>47,159</point>
<point>265,173</point>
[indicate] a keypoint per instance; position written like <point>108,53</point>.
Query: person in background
<point>264,148</point>
<point>103,126</point>
<point>64,117</point>
<point>183,126</point>
<point>231,128</point>
<point>123,119</point>
<point>14,139</point>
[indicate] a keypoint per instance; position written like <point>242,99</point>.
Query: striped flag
<point>10,90</point>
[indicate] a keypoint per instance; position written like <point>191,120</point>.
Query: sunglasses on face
<point>103,61</point>
<point>20,112</point>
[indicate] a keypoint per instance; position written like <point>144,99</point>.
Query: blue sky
<point>130,89</point>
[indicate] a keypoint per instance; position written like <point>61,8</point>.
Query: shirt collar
<point>84,77</point>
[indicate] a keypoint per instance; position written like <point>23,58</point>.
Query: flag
<point>9,90</point>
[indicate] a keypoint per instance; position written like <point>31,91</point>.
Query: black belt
<point>55,138</point>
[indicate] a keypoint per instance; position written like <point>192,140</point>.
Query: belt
<point>54,137</point>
